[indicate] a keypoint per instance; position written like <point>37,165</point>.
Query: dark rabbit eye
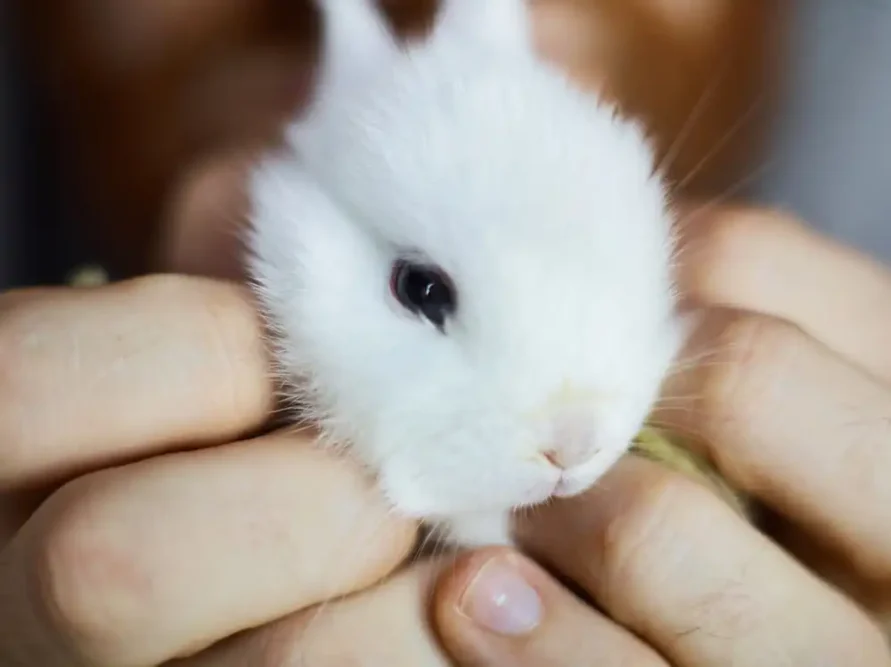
<point>423,290</point>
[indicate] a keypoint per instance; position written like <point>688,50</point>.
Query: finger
<point>769,263</point>
<point>95,377</point>
<point>497,608</point>
<point>137,565</point>
<point>811,550</point>
<point>385,625</point>
<point>202,236</point>
<point>788,421</point>
<point>665,557</point>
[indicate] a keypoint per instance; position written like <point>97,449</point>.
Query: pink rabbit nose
<point>553,457</point>
<point>573,440</point>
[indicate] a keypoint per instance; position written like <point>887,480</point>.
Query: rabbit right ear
<point>356,41</point>
<point>504,24</point>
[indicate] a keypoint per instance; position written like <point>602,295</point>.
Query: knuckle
<point>737,232</point>
<point>726,231</point>
<point>228,330</point>
<point>91,590</point>
<point>755,350</point>
<point>233,338</point>
<point>649,550</point>
<point>716,243</point>
<point>750,228</point>
<point>651,525</point>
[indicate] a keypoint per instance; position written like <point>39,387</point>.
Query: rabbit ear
<point>356,41</point>
<point>501,23</point>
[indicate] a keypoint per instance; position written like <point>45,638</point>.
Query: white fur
<point>541,204</point>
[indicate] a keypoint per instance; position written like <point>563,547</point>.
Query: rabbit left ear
<point>503,24</point>
<point>356,42</point>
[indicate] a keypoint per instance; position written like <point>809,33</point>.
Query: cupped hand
<point>789,393</point>
<point>143,515</point>
<point>786,391</point>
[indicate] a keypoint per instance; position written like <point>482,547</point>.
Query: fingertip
<point>496,607</point>
<point>489,606</point>
<point>452,584</point>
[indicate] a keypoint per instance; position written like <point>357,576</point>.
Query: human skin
<point>791,345</point>
<point>145,519</point>
<point>793,407</point>
<point>133,466</point>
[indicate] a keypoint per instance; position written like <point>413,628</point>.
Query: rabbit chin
<point>460,525</point>
<point>477,529</point>
<point>493,526</point>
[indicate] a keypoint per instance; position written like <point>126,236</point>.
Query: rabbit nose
<point>572,442</point>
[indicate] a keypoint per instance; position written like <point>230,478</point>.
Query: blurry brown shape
<point>144,90</point>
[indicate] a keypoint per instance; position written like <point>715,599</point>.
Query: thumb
<point>497,608</point>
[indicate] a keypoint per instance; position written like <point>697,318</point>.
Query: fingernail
<point>500,600</point>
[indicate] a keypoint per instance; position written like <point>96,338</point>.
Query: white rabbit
<point>467,264</point>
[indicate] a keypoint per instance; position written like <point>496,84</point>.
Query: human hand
<point>141,517</point>
<point>790,399</point>
<point>677,577</point>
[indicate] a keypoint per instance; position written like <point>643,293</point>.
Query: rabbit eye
<point>423,290</point>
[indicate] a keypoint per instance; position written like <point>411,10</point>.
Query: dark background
<point>830,161</point>
<point>37,224</point>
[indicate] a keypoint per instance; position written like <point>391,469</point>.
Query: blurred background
<point>121,116</point>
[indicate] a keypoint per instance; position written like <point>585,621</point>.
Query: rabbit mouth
<point>580,479</point>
